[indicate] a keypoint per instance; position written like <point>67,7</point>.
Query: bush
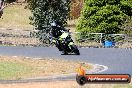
<point>104,16</point>
<point>46,11</point>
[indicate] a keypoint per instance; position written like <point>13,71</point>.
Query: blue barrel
<point>108,43</point>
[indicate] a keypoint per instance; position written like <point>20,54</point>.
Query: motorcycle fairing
<point>64,35</point>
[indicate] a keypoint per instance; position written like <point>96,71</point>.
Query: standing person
<point>1,7</point>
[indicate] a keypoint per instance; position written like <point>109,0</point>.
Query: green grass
<point>13,70</point>
<point>15,16</point>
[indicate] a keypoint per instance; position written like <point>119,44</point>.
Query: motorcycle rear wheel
<point>75,50</point>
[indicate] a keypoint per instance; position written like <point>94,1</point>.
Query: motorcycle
<point>66,43</point>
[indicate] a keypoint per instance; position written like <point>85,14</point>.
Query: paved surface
<point>117,60</point>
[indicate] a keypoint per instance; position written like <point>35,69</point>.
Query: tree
<point>104,16</point>
<point>46,11</point>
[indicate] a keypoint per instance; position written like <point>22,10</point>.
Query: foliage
<point>104,16</point>
<point>46,11</point>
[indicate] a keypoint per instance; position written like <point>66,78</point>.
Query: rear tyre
<point>75,50</point>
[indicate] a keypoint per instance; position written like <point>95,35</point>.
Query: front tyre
<point>64,53</point>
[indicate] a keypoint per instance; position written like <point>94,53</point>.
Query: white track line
<point>98,69</point>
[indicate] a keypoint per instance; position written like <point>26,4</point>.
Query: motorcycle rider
<point>56,32</point>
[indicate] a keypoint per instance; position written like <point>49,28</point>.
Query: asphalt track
<point>118,61</point>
